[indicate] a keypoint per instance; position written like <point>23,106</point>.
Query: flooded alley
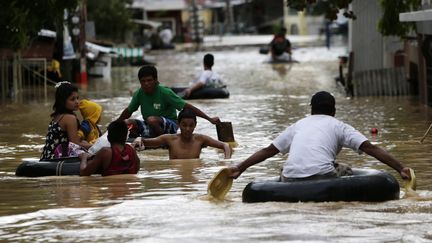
<point>167,200</point>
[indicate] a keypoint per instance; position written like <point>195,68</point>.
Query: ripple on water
<point>166,200</point>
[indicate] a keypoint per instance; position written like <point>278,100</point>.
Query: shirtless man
<point>185,145</point>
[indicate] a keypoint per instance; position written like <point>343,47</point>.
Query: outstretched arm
<point>70,124</point>
<point>257,157</point>
<point>227,150</point>
<point>386,158</point>
<point>88,167</point>
<point>198,112</point>
<point>192,88</point>
<point>141,142</point>
<point>208,141</point>
<point>124,115</point>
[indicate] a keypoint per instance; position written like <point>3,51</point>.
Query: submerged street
<point>167,201</point>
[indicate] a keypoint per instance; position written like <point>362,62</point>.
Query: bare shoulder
<point>103,151</point>
<point>168,137</point>
<point>203,138</point>
<point>200,136</point>
<point>68,118</point>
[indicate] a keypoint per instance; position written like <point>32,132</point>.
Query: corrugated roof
<point>160,5</point>
<point>157,5</point>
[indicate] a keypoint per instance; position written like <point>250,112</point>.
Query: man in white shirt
<point>166,36</point>
<point>207,78</point>
<point>313,143</point>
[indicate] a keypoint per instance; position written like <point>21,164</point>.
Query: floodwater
<point>167,202</point>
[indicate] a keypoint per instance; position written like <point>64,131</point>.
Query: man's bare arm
<point>208,141</point>
<point>192,88</point>
<point>124,115</point>
<point>255,158</point>
<point>200,113</point>
<point>161,140</point>
<point>88,167</point>
<point>386,158</point>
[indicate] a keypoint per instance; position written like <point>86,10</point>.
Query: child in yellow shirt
<point>91,113</point>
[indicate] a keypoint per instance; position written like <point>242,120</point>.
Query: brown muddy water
<point>166,201</point>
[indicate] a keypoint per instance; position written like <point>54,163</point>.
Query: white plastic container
<point>101,142</point>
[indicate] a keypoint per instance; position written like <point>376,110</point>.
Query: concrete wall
<point>371,49</point>
<point>365,40</point>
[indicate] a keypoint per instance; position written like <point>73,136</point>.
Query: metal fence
<point>127,56</point>
<point>381,82</point>
<point>23,77</point>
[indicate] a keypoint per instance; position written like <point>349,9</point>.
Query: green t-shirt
<point>163,102</point>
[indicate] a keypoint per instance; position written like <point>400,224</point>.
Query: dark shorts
<point>144,130</point>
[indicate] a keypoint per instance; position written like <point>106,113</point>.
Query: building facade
<point>420,50</point>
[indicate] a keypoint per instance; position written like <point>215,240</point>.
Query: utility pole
<point>285,14</point>
<point>229,19</point>
<point>196,22</point>
<point>82,39</point>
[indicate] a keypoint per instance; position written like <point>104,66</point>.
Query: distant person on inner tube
<point>207,78</point>
<point>280,46</point>
<point>313,143</point>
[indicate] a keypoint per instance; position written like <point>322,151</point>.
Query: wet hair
<point>63,91</point>
<point>323,103</point>
<point>147,70</point>
<point>186,113</point>
<point>117,132</point>
<point>208,60</point>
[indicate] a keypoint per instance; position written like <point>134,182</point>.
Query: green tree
<point>21,20</point>
<point>389,24</point>
<point>329,8</point>
<point>111,18</point>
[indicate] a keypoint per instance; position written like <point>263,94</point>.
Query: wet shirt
<point>122,162</point>
<point>55,136</point>
<point>163,102</point>
<point>210,79</point>
<point>313,143</point>
<point>166,36</point>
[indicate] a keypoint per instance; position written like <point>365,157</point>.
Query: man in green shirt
<point>158,105</point>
